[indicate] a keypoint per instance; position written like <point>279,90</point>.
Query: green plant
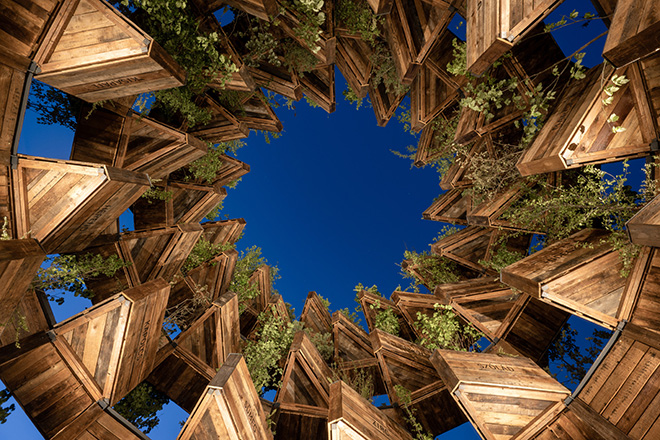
<point>157,193</point>
<point>385,319</point>
<point>297,59</point>
<point>352,97</point>
<point>5,410</point>
<point>310,19</point>
<point>404,397</point>
<point>501,257</point>
<point>141,405</point>
<point>248,261</point>
<point>323,343</point>
<point>180,316</point>
<point>429,269</point>
<point>205,169</point>
<point>360,19</point>
<point>384,69</point>
<point>443,330</point>
<point>263,355</point>
<point>5,230</point>
<point>202,252</point>
<point>357,378</point>
<point>352,316</point>
<point>68,273</point>
<point>215,212</point>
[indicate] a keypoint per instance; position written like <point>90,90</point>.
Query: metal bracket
<point>654,145</point>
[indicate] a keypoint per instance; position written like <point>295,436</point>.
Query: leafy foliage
<point>310,18</point>
<point>430,270</point>
<point>157,193</point>
<point>443,330</point>
<point>404,396</point>
<point>272,343</point>
<point>248,261</point>
<point>68,273</point>
<point>5,410</point>
<point>358,378</point>
<point>202,252</point>
<point>360,19</point>
<point>323,343</point>
<point>205,169</point>
<point>571,361</point>
<point>141,405</point>
<point>385,319</point>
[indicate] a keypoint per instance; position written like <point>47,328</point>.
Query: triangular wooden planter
<point>223,231</point>
<point>353,417</point>
<point>407,364</point>
<point>19,262</point>
<point>411,28</point>
<point>640,298</point>
<point>277,79</point>
<point>451,207</point>
<point>580,274</point>
<point>319,86</point>
<point>189,203</point>
<point>258,114</point>
<point>224,125</point>
<point>429,147</point>
<point>644,227</point>
<point>384,103</point>
<point>648,103</point>
<point>433,89</point>
<point>577,132</point>
<point>187,365</point>
<point>231,169</point>
<point>493,27</point>
<point>353,350</point>
<point>368,299</point>
<point>65,204</point>
<point>499,394</point>
<point>251,310</point>
<point>305,378</point>
<point>623,388</point>
<point>229,408</point>
<point>315,314</point>
<point>33,310</point>
<point>410,304</point>
<point>104,351</point>
<point>634,33</point>
<point>467,247</point>
<point>25,24</point>
<point>354,63</point>
<point>213,276</point>
<point>299,422</point>
<point>150,254</point>
<point>93,52</point>
<point>288,21</point>
<point>117,136</point>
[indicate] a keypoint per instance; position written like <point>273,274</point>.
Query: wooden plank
<point>633,33</point>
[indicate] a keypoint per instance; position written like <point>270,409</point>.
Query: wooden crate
<point>230,170</point>
<point>150,254</point>
<point>372,303</point>
<point>580,274</point>
<point>257,113</point>
<point>187,365</point>
<point>494,26</point>
<point>19,262</point>
<point>305,378</point>
<point>634,33</point>
<point>32,310</point>
<point>577,132</point>
<point>500,395</point>
<point>453,206</point>
<point>224,125</point>
<point>123,61</point>
<point>211,278</point>
<point>467,247</point>
<point>648,100</point>
<point>640,305</point>
<point>229,408</point>
<point>354,63</point>
<point>189,203</point>
<point>384,103</point>
<point>381,7</point>
<point>319,86</point>
<point>315,314</point>
<point>351,417</point>
<point>116,136</point>
<point>575,421</point>
<point>411,29</point>
<point>407,364</point>
<point>25,24</point>
<point>66,204</point>
<point>429,146</point>
<point>288,21</point>
<point>223,231</point>
<point>300,422</point>
<point>410,304</point>
<point>644,227</point>
<point>251,309</point>
<point>277,79</point>
<point>456,176</point>
<point>624,387</point>
<point>434,89</point>
<point>103,352</point>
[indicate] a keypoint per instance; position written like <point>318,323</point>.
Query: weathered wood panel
<point>578,132</point>
<point>223,126</point>
<point>315,314</point>
<point>451,207</point>
<point>500,395</point>
<point>277,79</point>
<point>354,63</point>
<point>412,304</point>
<point>624,388</point>
<point>223,231</point>
<point>641,304</point>
<point>352,417</point>
<point>407,364</point>
<point>494,26</point>
<point>31,315</point>
<point>97,54</point>
<point>634,32</point>
<point>372,304</point>
<point>301,422</point>
<point>65,205</point>
<point>319,87</point>
<point>467,247</point>
<point>229,408</point>
<point>644,227</point>
<point>19,262</point>
<point>580,274</point>
<point>384,102</point>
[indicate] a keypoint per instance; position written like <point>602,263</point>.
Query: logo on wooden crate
<point>116,82</point>
<point>498,367</point>
<point>380,427</point>
<point>142,346</point>
<point>251,415</point>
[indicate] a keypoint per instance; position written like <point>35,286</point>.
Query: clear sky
<point>328,203</point>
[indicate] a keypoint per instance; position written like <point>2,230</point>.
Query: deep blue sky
<point>328,203</point>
